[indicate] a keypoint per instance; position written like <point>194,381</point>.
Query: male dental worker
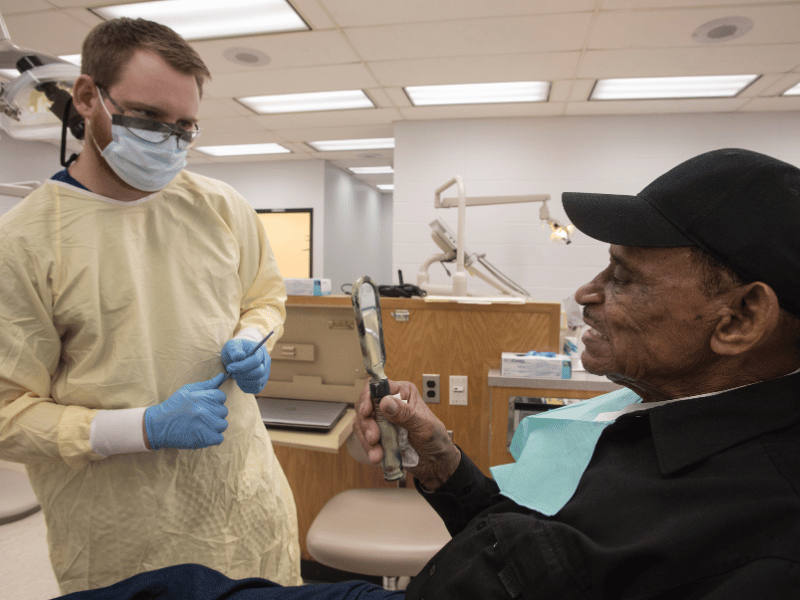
<point>683,485</point>
<point>129,288</point>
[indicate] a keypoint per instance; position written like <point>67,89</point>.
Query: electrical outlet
<point>430,389</point>
<point>458,389</point>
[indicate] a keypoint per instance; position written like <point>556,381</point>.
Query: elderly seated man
<point>685,483</point>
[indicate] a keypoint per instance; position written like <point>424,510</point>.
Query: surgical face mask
<point>149,158</point>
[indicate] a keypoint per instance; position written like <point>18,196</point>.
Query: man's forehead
<point>643,258</point>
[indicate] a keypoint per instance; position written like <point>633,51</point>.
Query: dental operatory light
<point>643,88</point>
<point>558,233</point>
<point>314,101</point>
<point>243,149</point>
<point>453,248</point>
<point>207,19</point>
<point>345,145</point>
<point>36,99</point>
<point>479,93</point>
<point>792,91</point>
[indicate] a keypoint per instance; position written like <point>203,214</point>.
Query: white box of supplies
<point>308,287</point>
<point>516,364</point>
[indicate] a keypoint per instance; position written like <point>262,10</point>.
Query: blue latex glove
<point>250,372</point>
<point>193,417</point>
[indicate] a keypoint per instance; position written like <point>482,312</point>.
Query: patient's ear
<point>751,317</point>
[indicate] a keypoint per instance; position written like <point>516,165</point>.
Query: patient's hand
<point>438,456</point>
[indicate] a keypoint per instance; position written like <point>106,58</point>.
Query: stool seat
<point>17,499</point>
<point>377,531</point>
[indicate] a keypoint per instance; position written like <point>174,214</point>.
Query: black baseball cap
<point>741,207</point>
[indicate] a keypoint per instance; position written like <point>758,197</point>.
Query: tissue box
<point>308,287</point>
<point>520,365</point>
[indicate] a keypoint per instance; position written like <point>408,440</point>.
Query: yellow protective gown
<point>109,305</point>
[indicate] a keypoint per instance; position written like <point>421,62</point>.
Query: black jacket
<point>692,499</point>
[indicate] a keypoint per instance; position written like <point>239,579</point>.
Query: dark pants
<point>195,582</point>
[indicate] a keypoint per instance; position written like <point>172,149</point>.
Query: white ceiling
<point>382,46</point>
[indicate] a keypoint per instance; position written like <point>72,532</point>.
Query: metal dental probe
<point>261,343</point>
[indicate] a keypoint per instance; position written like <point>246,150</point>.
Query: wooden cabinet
<point>444,338</point>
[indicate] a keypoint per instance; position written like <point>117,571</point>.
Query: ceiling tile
<point>640,4</point>
<point>543,66</point>
<point>625,107</point>
<point>290,81</point>
<point>355,132</point>
<point>481,111</point>
<point>224,138</point>
<point>781,84</point>
<point>228,124</point>
<point>285,50</point>
<point>84,16</point>
<point>358,13</point>
<point>673,28</point>
<point>367,116</point>
<point>313,13</point>
<point>708,60</point>
<point>549,33</point>
<point>353,155</point>
<point>50,31</point>
<point>13,7</point>
<point>780,103</point>
<point>213,108</point>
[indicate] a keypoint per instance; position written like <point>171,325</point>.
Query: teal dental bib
<point>553,449</point>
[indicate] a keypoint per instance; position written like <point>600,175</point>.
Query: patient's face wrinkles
<point>650,322</point>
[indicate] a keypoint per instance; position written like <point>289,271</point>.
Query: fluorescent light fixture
<point>642,88</point>
<point>203,19</point>
<point>387,187</point>
<point>340,145</point>
<point>372,170</point>
<point>243,149</point>
<point>289,103</point>
<point>478,93</point>
<point>793,91</point>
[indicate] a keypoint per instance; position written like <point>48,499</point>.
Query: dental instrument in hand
<point>261,343</point>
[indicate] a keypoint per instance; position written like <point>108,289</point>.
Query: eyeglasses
<point>149,130</point>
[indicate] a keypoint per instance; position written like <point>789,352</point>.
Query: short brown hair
<point>110,45</point>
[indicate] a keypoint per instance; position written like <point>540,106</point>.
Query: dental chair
<point>384,532</point>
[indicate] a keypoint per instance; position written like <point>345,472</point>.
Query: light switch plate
<point>458,390</point>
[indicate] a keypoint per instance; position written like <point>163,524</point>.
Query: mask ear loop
<point>66,162</point>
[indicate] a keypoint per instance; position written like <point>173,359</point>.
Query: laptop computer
<point>309,415</point>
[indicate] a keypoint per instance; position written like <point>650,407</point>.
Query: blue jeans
<point>195,582</point>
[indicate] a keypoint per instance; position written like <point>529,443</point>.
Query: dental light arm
<point>454,249</point>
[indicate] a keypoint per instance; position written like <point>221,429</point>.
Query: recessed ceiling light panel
<point>479,93</point>
<point>344,145</point>
<point>387,170</point>
<point>792,91</point>
<point>243,149</point>
<point>207,19</point>
<point>722,30</point>
<point>315,101</point>
<point>649,88</point>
